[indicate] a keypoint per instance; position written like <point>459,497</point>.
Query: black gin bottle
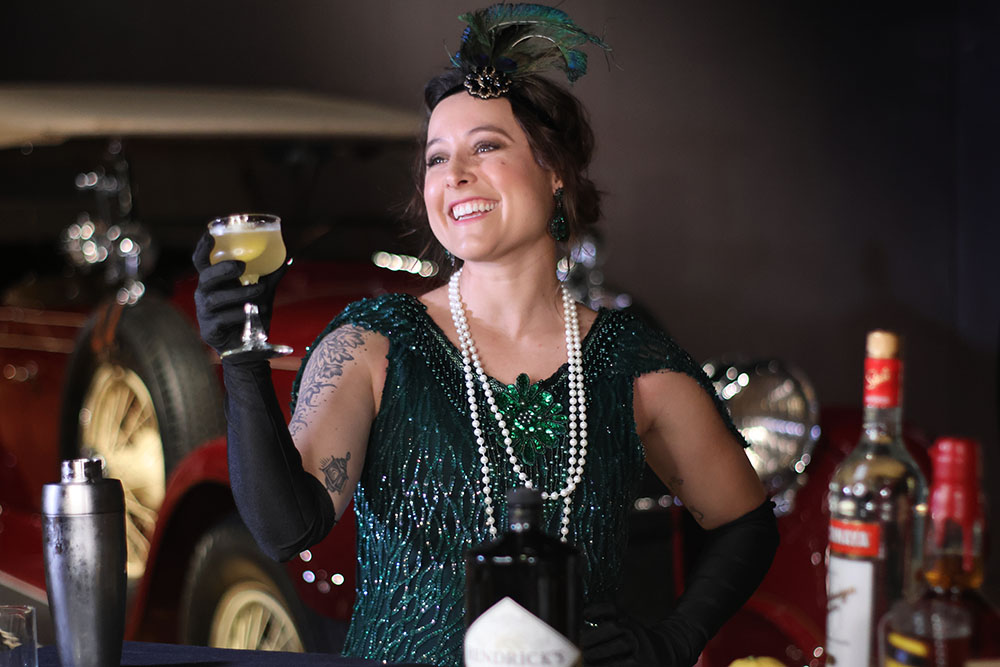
<point>523,593</point>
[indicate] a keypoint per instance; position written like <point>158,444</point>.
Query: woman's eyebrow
<point>489,128</point>
<point>480,128</point>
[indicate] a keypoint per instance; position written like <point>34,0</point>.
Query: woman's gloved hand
<point>731,565</point>
<point>606,638</point>
<point>610,638</point>
<point>219,297</point>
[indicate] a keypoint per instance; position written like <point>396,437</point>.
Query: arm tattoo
<point>674,484</point>
<point>696,513</point>
<point>335,472</point>
<point>325,366</point>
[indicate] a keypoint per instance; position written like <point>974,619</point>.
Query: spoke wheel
<point>236,597</point>
<point>139,393</point>
<point>251,617</point>
<point>118,424</point>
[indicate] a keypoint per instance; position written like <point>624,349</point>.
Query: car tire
<point>140,393</point>
<point>236,597</point>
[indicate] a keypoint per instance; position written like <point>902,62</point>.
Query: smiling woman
<point>397,407</point>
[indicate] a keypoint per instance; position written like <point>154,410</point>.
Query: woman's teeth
<point>470,208</point>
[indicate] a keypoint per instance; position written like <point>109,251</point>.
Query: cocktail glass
<point>255,239</point>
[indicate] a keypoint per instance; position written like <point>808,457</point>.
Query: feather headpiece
<point>505,42</point>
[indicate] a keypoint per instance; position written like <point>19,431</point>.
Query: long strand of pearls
<point>577,408</point>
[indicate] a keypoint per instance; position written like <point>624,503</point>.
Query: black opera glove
<point>219,297</point>
<point>733,562</point>
<point>286,509</point>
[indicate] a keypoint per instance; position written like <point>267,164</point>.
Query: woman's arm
<point>689,445</point>
<point>338,399</point>
<point>291,483</point>
<point>691,449</point>
<point>288,506</point>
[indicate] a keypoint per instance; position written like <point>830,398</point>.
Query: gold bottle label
<point>904,651</point>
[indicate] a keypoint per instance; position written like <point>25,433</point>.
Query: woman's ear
<point>557,182</point>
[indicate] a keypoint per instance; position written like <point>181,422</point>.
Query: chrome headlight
<point>85,242</point>
<point>774,406</point>
<point>124,248</point>
<point>126,252</point>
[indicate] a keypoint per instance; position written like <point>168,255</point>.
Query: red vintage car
<point>99,356</point>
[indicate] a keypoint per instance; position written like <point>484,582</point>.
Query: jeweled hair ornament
<point>505,42</point>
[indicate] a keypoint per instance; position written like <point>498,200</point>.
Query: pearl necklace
<point>577,407</point>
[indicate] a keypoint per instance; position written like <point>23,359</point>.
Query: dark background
<point>781,177</point>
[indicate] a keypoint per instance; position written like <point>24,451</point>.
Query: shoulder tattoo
<point>325,365</point>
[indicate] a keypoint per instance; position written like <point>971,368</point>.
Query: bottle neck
<point>524,518</point>
<point>883,426</point>
<point>883,400</point>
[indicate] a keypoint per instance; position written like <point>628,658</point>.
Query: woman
<point>425,411</point>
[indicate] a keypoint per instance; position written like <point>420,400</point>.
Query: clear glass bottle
<point>878,502</point>
<point>523,593</point>
<point>949,623</point>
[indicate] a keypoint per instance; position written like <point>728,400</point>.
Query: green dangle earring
<point>558,227</point>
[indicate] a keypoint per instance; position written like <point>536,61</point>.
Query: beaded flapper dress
<point>418,502</point>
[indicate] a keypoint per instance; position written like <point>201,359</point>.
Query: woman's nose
<point>459,172</point>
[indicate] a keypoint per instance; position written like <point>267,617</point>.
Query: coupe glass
<point>255,239</point>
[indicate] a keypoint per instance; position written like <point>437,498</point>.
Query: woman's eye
<point>434,160</point>
<point>486,147</point>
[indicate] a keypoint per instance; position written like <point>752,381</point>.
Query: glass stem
<point>253,330</point>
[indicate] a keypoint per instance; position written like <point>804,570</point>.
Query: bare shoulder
<point>341,347</point>
<point>676,384</point>
<point>663,397</point>
<point>348,353</point>
<point>690,447</point>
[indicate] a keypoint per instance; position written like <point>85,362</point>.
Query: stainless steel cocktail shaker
<point>83,538</point>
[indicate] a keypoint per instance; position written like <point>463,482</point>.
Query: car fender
<point>197,497</point>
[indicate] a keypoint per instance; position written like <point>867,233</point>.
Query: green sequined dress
<point>419,504</point>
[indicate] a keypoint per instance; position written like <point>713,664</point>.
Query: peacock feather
<point>520,39</point>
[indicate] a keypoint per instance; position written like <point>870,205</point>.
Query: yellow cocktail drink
<point>260,247</point>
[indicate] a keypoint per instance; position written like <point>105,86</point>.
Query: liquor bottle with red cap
<point>877,500</point>
<point>951,622</point>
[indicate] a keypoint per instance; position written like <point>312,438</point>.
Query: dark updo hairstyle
<point>558,132</point>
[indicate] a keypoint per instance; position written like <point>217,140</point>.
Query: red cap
<point>955,491</point>
<point>955,460</point>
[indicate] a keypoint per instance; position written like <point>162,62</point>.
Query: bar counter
<point>148,654</point>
